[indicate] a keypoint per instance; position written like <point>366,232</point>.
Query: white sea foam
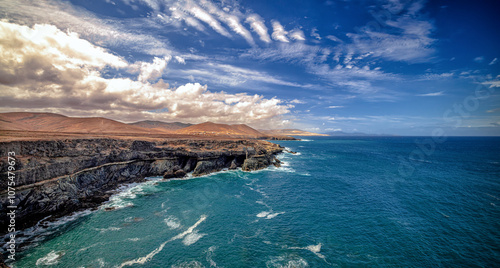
<point>272,215</point>
<point>286,169</point>
<point>188,264</point>
<point>101,263</point>
<point>263,214</point>
<point>313,248</point>
<point>268,214</point>
<point>192,238</point>
<point>33,235</point>
<point>148,257</point>
<point>103,230</point>
<point>135,239</point>
<point>261,203</point>
<point>210,253</point>
<point>124,194</point>
<point>51,258</point>
<point>172,222</point>
<point>287,261</point>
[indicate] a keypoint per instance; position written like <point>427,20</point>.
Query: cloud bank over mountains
<point>59,72</point>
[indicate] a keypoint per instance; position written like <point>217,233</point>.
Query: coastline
<point>61,176</point>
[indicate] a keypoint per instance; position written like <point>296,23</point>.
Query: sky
<point>400,67</point>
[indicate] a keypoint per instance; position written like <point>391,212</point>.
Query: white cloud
<point>333,129</point>
<point>231,20</point>
<point>235,76</point>
<point>354,79</point>
<point>407,38</point>
<point>335,107</point>
<point>297,35</point>
<point>44,69</point>
<point>333,38</point>
<point>258,26</point>
<point>479,59</point>
<point>236,26</point>
<point>109,32</point>
<point>177,15</point>
<point>204,16</point>
<point>296,101</point>
<point>44,54</point>
<point>494,61</point>
<point>315,34</point>
<point>493,83</point>
<point>432,94</point>
<point>279,33</point>
<point>290,52</point>
<point>152,71</point>
<point>434,76</point>
<point>180,60</point>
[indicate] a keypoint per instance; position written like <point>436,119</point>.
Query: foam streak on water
<point>148,257</point>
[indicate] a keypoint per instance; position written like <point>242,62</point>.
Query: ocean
<point>337,202</point>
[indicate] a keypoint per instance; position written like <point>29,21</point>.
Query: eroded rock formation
<point>54,178</point>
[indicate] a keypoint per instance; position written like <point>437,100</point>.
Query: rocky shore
<point>57,177</point>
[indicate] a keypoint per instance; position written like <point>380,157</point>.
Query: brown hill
<point>160,125</point>
<point>291,132</point>
<point>49,122</point>
<point>212,129</point>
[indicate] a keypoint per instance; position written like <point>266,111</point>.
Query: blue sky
<point>381,67</point>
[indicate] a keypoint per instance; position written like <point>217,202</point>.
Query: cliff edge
<point>54,178</point>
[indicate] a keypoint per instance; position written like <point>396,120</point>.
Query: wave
<point>172,222</point>
<point>268,214</point>
<point>124,194</point>
<point>148,257</point>
<point>263,214</point>
<point>192,238</point>
<point>32,236</point>
<point>50,259</point>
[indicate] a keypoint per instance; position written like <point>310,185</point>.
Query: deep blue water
<point>346,202</point>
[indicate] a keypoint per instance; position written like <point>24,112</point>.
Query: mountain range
<point>50,122</point>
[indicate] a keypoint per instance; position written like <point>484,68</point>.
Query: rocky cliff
<point>54,178</point>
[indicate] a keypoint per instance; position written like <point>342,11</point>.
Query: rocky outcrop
<point>55,178</point>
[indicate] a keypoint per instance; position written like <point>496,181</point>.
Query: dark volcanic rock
<point>57,177</point>
<point>257,162</point>
<point>175,172</point>
<point>180,173</point>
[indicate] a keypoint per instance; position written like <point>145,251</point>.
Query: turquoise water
<point>338,202</point>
